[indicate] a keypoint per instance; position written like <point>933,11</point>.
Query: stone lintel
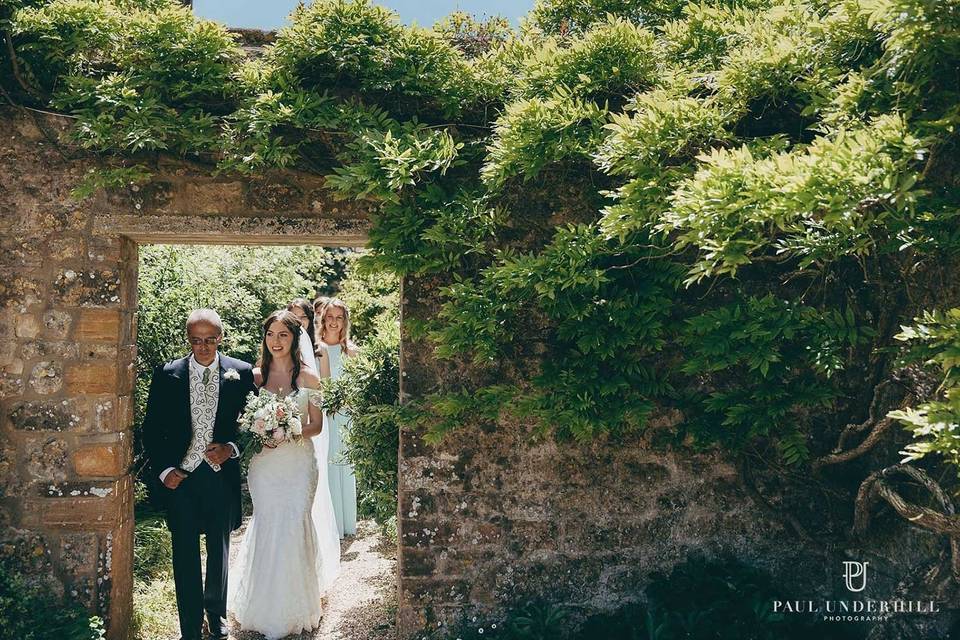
<point>236,230</point>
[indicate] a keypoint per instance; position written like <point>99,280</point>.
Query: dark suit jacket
<point>167,429</point>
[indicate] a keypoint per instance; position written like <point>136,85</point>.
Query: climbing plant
<point>722,209</point>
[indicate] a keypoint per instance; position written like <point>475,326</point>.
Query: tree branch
<point>945,522</point>
<point>876,427</point>
<point>16,69</point>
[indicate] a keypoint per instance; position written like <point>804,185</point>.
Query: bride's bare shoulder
<point>257,376</point>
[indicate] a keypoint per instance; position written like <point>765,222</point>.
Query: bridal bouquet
<point>267,418</point>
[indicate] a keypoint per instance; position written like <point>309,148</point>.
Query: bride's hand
<point>270,444</point>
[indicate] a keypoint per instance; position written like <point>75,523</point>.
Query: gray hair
<point>204,315</point>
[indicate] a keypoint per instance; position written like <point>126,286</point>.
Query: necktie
<point>206,376</point>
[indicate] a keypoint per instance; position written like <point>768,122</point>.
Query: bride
<point>290,553</point>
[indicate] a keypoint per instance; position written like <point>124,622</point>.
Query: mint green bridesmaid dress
<point>343,483</point>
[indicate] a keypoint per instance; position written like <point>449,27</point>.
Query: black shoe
<point>218,628</point>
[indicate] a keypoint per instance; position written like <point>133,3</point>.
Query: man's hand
<point>218,453</point>
<point>173,479</point>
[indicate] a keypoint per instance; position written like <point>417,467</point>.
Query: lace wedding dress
<point>290,554</point>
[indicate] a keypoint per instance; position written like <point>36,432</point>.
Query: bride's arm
<point>314,425</point>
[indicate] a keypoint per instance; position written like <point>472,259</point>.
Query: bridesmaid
<point>333,345</point>
<point>302,308</point>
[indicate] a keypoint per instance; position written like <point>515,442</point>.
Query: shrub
<point>615,58</point>
<point>535,133</point>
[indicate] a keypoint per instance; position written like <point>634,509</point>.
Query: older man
<point>188,433</point>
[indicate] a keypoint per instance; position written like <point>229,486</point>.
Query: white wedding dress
<point>290,554</point>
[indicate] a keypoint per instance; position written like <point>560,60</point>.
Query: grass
<point>154,600</point>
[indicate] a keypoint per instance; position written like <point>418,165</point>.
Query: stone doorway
<point>175,278</point>
<point>233,230</point>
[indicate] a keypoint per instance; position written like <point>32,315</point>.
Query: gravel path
<point>361,605</point>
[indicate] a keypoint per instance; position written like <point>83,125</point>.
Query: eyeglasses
<point>207,341</point>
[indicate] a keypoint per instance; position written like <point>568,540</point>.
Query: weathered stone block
<point>78,553</point>
<point>438,589</point>
<point>526,536</point>
<point>95,377</point>
<point>28,326</point>
<point>47,415</point>
<point>65,247</point>
<point>27,550</point>
<point>104,508</point>
<point>46,377</point>
<point>8,323</point>
<point>417,562</point>
<point>87,288</point>
<point>105,416</point>
<point>273,195</point>
<point>99,351</point>
<point>101,460</point>
<point>19,291</point>
<point>104,249</point>
<point>118,568</point>
<point>47,459</point>
<point>156,194</point>
<point>214,197</point>
<point>9,481</point>
<point>57,324</point>
<point>8,351</point>
<point>425,533</point>
<point>49,350</point>
<point>79,489</point>
<point>125,412</point>
<point>98,325</point>
<point>10,386</point>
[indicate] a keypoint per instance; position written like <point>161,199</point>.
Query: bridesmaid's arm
<point>310,380</point>
<point>323,359</point>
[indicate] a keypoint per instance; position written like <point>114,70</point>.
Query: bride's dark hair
<point>266,358</point>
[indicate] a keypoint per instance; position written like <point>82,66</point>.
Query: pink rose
<point>278,435</point>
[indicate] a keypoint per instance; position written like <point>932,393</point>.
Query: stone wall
<point>492,518</point>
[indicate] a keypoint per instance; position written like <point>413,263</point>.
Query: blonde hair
<point>344,337</point>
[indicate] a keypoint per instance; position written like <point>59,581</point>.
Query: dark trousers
<point>203,503</point>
